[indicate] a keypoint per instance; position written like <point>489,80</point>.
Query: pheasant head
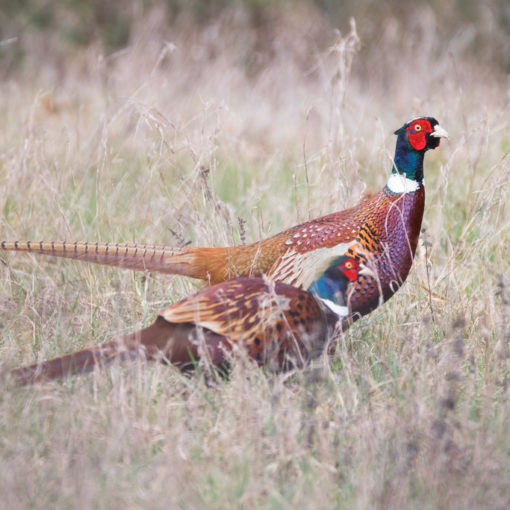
<point>331,287</point>
<point>414,138</point>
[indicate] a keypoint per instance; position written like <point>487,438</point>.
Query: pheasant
<point>276,324</point>
<point>382,231</point>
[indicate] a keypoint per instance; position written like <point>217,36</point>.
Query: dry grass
<point>177,138</point>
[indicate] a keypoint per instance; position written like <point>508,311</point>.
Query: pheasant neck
<point>332,284</point>
<point>408,161</point>
<point>407,173</point>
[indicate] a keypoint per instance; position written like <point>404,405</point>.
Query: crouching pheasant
<point>277,325</point>
<point>382,231</point>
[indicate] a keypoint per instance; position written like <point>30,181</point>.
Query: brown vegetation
<point>226,128</point>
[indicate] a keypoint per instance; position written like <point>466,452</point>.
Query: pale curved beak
<point>439,132</point>
<point>366,271</point>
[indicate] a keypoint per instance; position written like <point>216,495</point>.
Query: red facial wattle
<point>417,132</point>
<point>350,269</point>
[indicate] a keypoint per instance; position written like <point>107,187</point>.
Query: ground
<point>226,130</point>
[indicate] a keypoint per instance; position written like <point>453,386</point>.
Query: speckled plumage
<point>275,324</point>
<point>383,231</point>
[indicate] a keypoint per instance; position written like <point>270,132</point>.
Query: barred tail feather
<point>138,257</point>
<point>210,264</point>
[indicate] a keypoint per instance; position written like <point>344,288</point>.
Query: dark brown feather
<point>275,324</point>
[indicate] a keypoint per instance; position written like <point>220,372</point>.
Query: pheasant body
<point>381,231</point>
<point>277,325</point>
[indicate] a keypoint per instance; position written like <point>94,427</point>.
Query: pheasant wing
<point>279,325</point>
<point>238,309</point>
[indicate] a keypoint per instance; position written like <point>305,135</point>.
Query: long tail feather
<point>178,344</point>
<point>79,362</point>
<point>142,343</point>
<point>210,264</point>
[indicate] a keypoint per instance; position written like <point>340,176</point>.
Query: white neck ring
<point>399,183</point>
<point>341,311</point>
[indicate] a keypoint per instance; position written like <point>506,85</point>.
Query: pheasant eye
<point>348,265</point>
<point>417,127</point>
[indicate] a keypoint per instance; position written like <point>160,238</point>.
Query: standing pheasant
<point>382,231</point>
<point>277,325</point>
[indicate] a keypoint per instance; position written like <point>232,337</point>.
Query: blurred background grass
<point>221,122</point>
<point>483,27</point>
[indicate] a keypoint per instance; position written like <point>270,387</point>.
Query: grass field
<point>218,133</point>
